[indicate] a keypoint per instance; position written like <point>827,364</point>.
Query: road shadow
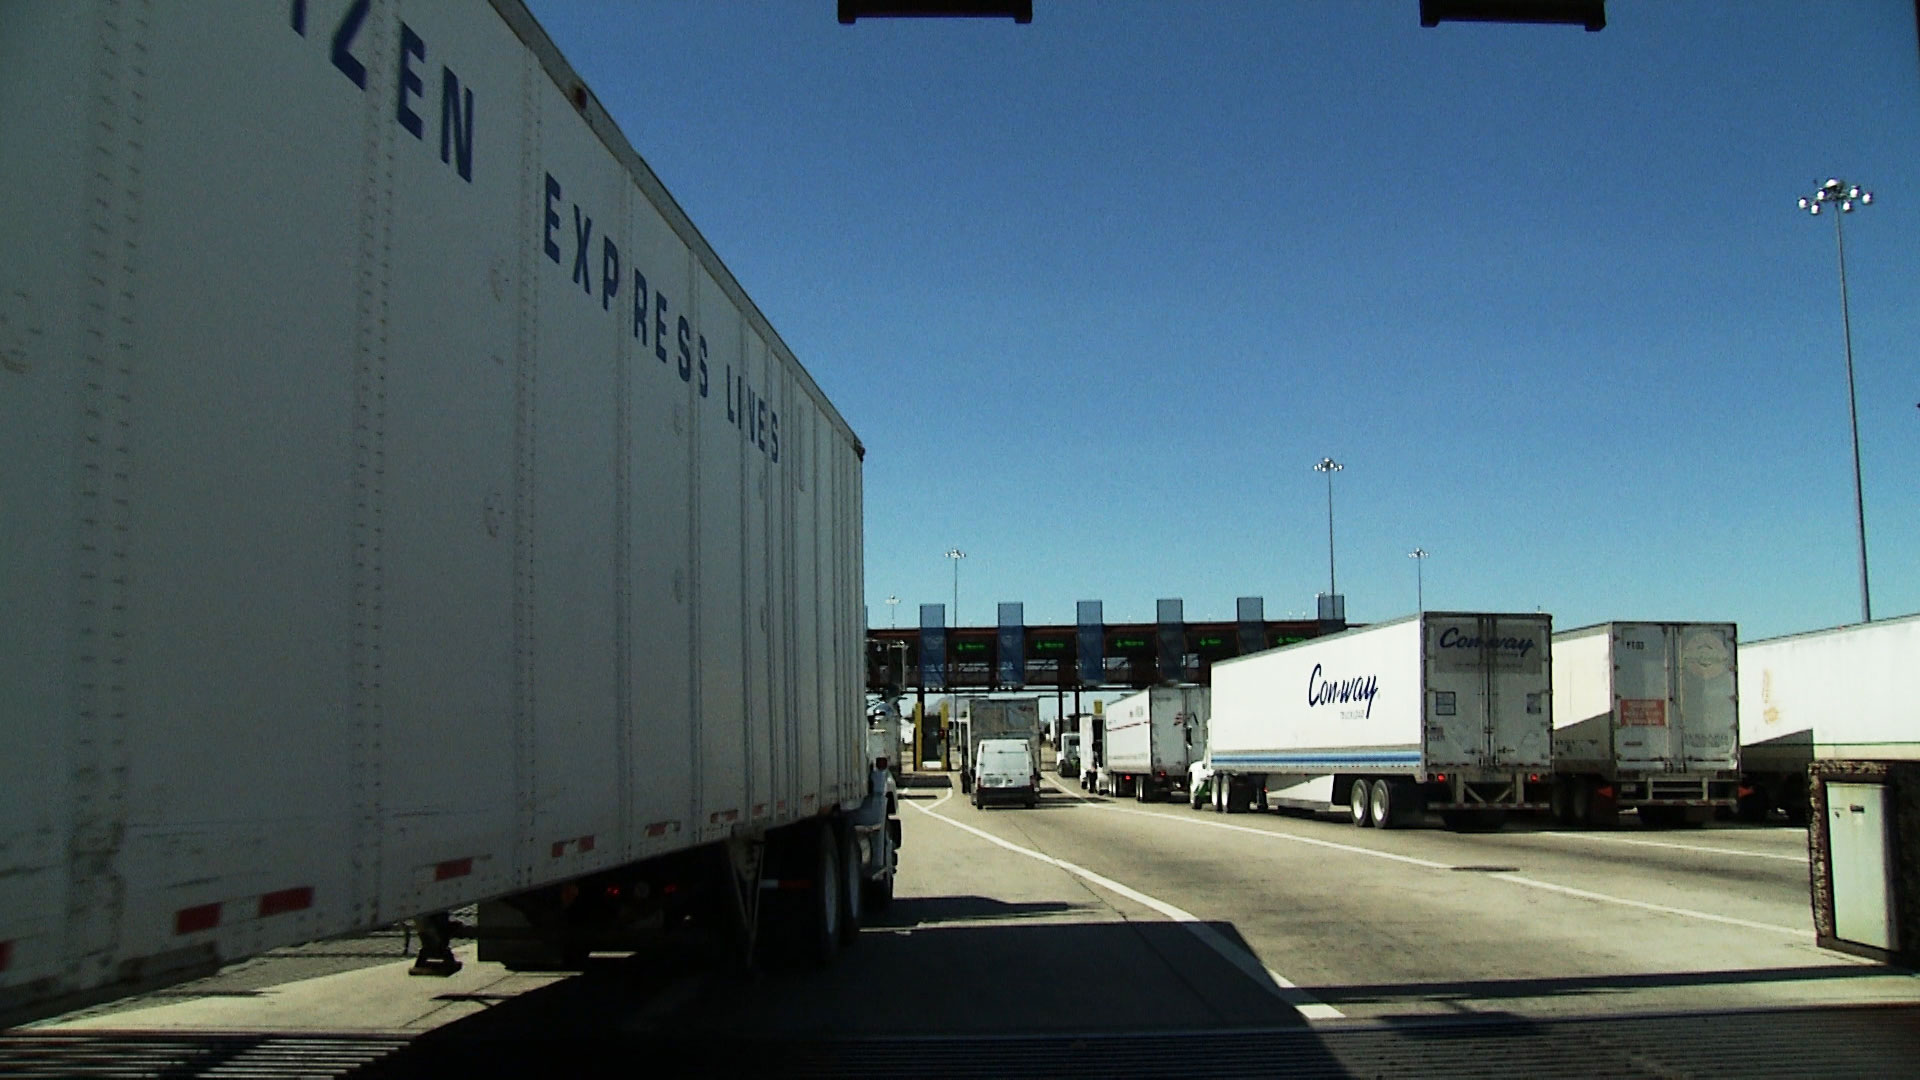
<point>1585,985</point>
<point>1047,986</point>
<point>908,912</point>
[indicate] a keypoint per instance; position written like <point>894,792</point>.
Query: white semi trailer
<point>1849,692</point>
<point>1151,739</point>
<point>1445,711</point>
<point>1645,717</point>
<point>405,508</point>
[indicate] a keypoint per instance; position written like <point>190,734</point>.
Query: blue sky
<point>1097,291</point>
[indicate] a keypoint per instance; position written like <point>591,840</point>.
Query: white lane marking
<point>1801,859</point>
<point>1431,865</point>
<point>1645,906</point>
<point>1273,834</point>
<point>1306,1004</point>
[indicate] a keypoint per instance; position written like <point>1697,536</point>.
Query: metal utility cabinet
<point>1448,711</point>
<point>1645,716</point>
<point>1857,690</point>
<point>405,508</point>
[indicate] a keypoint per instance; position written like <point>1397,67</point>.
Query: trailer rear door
<point>1489,692</point>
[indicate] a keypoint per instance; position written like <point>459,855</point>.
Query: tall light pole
<point>956,555</point>
<point>1419,557</point>
<point>893,613</point>
<point>1848,196</point>
<point>1329,466</point>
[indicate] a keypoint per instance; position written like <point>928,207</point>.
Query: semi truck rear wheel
<point>1561,802</point>
<point>1392,804</point>
<point>852,895</point>
<point>1360,803</point>
<point>821,937</point>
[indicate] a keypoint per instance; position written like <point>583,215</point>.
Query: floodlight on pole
<point>956,555</point>
<point>893,613</point>
<point>1419,557</point>
<point>1848,197</point>
<point>1329,466</point>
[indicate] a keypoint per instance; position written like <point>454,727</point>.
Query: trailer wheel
<point>1754,806</point>
<point>1561,802</point>
<point>1235,796</point>
<point>1386,802</point>
<point>1591,809</point>
<point>879,892</point>
<point>1360,803</point>
<point>804,916</point>
<point>823,904</point>
<point>852,896</point>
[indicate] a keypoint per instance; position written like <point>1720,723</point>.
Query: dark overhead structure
<point>1020,11</point>
<point>1091,654</point>
<point>1591,14</point>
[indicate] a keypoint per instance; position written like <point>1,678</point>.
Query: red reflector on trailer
<point>189,920</point>
<point>453,868</point>
<point>6,954</point>
<point>586,843</point>
<point>276,903</point>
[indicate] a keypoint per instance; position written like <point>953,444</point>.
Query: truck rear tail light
<point>1533,778</point>
<point>1440,778</point>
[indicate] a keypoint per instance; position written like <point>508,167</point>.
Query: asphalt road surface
<point>1105,937</point>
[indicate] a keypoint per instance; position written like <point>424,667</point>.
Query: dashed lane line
<point>1429,864</point>
<point>1304,1003</point>
<point>1602,838</point>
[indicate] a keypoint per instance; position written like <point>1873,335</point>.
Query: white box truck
<point>983,718</point>
<point>1446,711</point>
<point>1645,717</point>
<point>1849,692</point>
<point>405,508</point>
<point>1152,737</point>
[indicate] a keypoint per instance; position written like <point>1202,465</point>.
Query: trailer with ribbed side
<point>406,509</point>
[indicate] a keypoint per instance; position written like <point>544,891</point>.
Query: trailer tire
<point>1388,803</point>
<point>819,938</point>
<point>1592,810</point>
<point>1235,795</point>
<point>1360,803</point>
<point>879,892</point>
<point>852,895</point>
<point>1754,807</point>
<point>1561,802</point>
